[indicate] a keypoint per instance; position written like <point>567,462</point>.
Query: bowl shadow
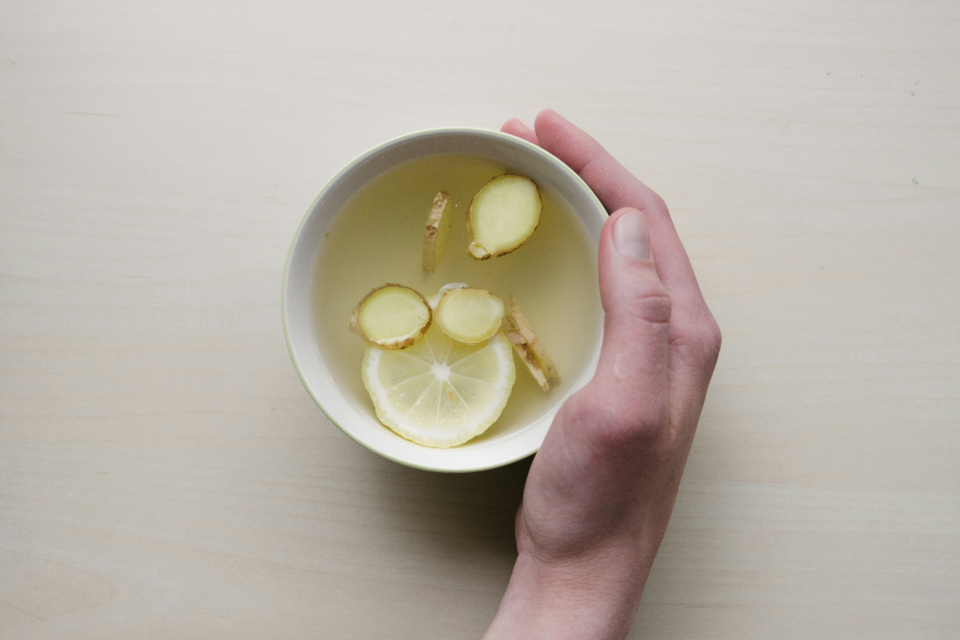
<point>465,518</point>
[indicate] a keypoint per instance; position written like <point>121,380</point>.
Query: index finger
<point>617,188</point>
<point>693,331</point>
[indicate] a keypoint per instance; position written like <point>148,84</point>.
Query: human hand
<point>601,489</point>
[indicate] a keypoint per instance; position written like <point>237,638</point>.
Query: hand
<point>602,487</point>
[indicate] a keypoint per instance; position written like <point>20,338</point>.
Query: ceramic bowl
<point>358,420</point>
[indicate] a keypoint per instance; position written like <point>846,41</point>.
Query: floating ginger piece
<point>438,230</point>
<point>469,315</point>
<point>528,346</point>
<point>435,299</point>
<point>391,317</point>
<point>502,216</point>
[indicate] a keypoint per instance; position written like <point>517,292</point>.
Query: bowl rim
<point>363,157</point>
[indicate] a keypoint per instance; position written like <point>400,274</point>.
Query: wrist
<point>594,595</point>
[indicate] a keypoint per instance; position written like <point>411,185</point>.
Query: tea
<point>378,237</point>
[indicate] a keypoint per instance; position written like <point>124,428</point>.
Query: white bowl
<point>360,422</point>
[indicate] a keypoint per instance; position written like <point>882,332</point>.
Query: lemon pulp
<point>440,393</point>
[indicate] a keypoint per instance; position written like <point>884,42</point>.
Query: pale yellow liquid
<point>378,238</point>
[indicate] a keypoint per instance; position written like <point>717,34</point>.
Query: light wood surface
<point>164,474</point>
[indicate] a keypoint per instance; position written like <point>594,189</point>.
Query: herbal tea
<point>378,237</point>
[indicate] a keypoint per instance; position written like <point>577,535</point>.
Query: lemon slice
<point>439,392</point>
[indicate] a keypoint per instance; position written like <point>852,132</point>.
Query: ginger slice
<point>435,299</point>
<point>525,351</point>
<point>392,317</point>
<point>528,346</point>
<point>549,368</point>
<point>438,230</point>
<point>503,215</point>
<point>469,315</point>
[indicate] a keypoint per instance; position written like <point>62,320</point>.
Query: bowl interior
<point>359,421</point>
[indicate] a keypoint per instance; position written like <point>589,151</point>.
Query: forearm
<point>595,598</point>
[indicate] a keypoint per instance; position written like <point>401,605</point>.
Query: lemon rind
<point>404,428</point>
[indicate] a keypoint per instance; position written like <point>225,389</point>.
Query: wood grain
<point>164,474</point>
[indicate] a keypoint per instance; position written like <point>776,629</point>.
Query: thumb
<point>634,359</point>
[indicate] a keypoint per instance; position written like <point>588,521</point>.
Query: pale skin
<point>601,489</point>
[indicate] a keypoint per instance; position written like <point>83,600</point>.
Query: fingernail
<point>631,236</point>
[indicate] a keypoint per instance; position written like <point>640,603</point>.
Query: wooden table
<point>163,474</point>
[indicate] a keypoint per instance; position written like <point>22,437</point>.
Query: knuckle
<point>708,339</point>
<point>623,420</point>
<point>633,427</point>
<point>647,301</point>
<point>605,174</point>
<point>659,204</point>
<point>654,306</point>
